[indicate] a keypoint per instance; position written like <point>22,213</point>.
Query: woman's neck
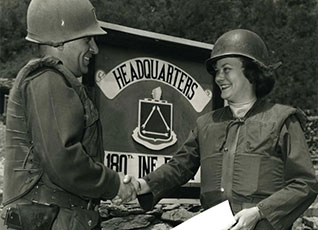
<point>240,109</point>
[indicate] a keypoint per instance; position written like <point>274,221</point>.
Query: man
<point>54,174</point>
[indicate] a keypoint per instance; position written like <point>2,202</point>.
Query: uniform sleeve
<point>56,120</point>
<point>284,206</point>
<point>170,176</point>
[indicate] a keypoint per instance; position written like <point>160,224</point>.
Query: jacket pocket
<point>271,175</point>
<point>211,198</point>
<point>259,136</point>
<point>211,172</point>
<point>37,216</point>
<point>246,173</point>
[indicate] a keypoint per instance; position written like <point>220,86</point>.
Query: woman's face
<point>235,87</point>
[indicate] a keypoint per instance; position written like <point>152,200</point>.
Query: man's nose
<point>93,46</point>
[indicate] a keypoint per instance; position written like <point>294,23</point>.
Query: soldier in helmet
<point>251,152</point>
<point>54,175</point>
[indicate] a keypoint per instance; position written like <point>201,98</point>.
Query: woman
<point>251,152</point>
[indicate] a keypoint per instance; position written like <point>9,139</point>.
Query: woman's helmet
<point>240,42</point>
<point>59,21</point>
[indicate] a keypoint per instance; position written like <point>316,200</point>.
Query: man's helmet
<point>54,22</point>
<point>240,42</point>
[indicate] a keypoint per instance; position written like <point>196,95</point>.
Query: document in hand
<point>218,217</point>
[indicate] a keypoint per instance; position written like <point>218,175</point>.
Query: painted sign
<point>138,164</point>
<point>149,90</point>
<point>154,129</point>
<point>152,69</point>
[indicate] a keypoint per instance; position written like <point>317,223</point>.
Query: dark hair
<point>263,79</point>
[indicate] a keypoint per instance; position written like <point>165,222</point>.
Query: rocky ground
<point>167,215</point>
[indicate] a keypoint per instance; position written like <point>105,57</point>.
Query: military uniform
<point>258,160</point>
<point>54,149</point>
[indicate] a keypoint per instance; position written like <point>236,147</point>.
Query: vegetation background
<point>289,27</point>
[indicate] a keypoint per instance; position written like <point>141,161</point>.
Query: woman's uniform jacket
<point>259,160</point>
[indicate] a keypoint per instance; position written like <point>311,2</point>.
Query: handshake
<point>129,188</point>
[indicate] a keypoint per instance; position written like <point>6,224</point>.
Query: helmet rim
<point>240,43</point>
<point>56,22</point>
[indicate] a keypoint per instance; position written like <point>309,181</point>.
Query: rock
<point>127,222</point>
<point>135,211</point>
<point>298,225</point>
<point>132,205</point>
<point>311,222</point>
<point>158,206</point>
<point>103,212</point>
<point>171,207</point>
<point>195,208</point>
<point>156,212</point>
<point>312,210</point>
<point>177,215</point>
<point>160,226</point>
<point>116,211</point>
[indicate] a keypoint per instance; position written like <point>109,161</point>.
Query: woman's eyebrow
<point>215,67</point>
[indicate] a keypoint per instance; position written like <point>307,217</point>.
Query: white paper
<point>218,217</point>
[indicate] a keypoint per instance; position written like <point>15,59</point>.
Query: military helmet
<point>59,21</point>
<point>240,42</point>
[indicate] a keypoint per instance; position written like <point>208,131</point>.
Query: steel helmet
<point>54,22</point>
<point>240,42</point>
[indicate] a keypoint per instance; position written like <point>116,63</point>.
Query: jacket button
<point>222,189</point>
<point>226,149</point>
<point>89,223</point>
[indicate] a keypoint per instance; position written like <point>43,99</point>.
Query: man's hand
<point>128,189</point>
<point>246,219</point>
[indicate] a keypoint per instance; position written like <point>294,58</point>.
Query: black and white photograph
<point>158,114</point>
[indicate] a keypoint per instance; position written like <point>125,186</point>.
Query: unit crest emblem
<point>154,129</point>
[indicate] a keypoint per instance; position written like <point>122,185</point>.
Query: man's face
<point>234,86</point>
<point>77,54</point>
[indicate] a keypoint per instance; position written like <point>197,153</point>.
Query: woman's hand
<point>246,219</point>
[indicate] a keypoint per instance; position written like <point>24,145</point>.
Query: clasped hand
<point>128,189</point>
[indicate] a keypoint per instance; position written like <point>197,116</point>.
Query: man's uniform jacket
<point>53,136</point>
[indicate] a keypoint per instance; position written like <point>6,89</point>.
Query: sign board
<point>149,89</point>
<point>138,164</point>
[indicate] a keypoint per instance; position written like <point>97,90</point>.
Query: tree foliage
<point>289,27</point>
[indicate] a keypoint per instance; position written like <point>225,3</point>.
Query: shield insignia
<point>154,129</point>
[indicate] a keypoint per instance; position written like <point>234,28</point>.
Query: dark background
<point>289,27</point>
